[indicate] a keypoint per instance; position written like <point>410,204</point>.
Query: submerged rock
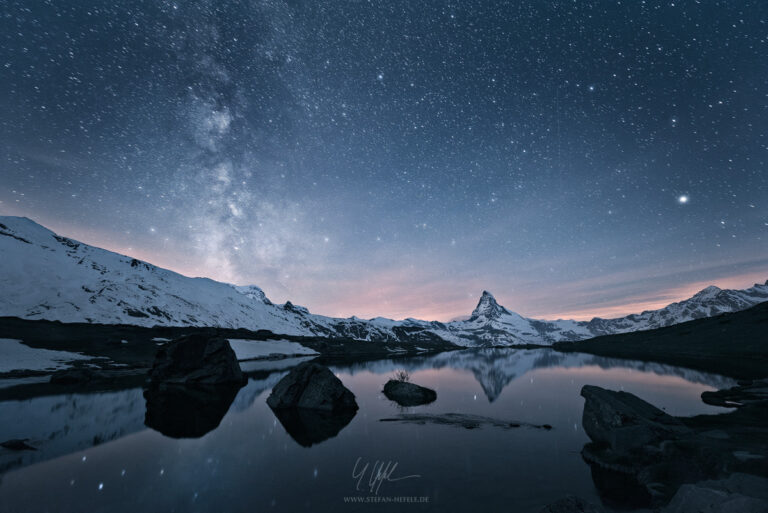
<point>408,394</point>
<point>463,420</point>
<point>197,359</point>
<point>312,386</point>
<point>570,504</point>
<point>78,376</point>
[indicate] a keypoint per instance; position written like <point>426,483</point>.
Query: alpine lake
<point>96,452</point>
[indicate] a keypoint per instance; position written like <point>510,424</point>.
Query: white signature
<point>380,471</point>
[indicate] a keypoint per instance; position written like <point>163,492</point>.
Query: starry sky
<point>397,157</point>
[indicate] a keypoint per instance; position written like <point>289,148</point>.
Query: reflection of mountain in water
<point>63,424</point>
<point>495,368</point>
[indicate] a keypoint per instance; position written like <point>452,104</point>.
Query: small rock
<point>747,393</point>
<point>570,504</point>
<point>77,376</point>
<point>197,359</point>
<point>311,385</point>
<point>18,445</point>
<point>408,394</point>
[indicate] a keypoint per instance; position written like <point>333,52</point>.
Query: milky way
<point>396,158</point>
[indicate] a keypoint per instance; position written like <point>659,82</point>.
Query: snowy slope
<point>46,276</point>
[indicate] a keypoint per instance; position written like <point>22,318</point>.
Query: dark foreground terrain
<point>732,344</point>
<point>136,346</point>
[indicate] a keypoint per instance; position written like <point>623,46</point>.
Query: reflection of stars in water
<point>683,199</point>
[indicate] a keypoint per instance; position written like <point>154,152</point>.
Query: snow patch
<point>16,356</point>
<point>248,349</point>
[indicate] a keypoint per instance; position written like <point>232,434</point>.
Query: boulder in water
<point>408,394</point>
<point>197,359</point>
<point>312,386</point>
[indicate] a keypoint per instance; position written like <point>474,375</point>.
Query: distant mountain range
<point>47,276</point>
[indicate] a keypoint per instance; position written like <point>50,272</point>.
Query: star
<point>682,199</point>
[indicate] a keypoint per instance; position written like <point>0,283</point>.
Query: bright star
<point>682,199</point>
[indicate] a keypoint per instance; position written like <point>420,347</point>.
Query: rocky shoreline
<point>641,456</point>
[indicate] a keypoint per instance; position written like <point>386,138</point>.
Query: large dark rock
<point>624,421</point>
<point>313,386</point>
<point>187,411</point>
<point>197,359</point>
<point>408,394</point>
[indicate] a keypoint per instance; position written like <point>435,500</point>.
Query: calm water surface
<point>96,454</point>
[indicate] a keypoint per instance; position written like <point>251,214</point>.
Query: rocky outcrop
<point>740,493</point>
<point>747,393</point>
<point>640,452</point>
<point>408,394</point>
<point>197,359</point>
<point>311,386</point>
<point>623,421</point>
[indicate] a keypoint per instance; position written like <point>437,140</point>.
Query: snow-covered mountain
<point>46,276</point>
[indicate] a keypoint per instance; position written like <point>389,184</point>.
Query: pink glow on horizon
<point>660,299</point>
<point>384,294</point>
<point>399,293</point>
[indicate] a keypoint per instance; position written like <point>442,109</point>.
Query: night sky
<point>398,157</point>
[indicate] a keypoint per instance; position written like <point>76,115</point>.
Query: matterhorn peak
<point>487,307</point>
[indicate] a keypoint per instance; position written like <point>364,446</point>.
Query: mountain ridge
<point>48,276</point>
